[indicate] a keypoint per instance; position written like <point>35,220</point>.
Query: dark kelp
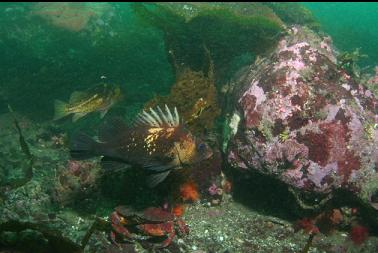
<point>28,168</point>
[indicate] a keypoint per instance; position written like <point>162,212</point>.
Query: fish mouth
<point>209,155</point>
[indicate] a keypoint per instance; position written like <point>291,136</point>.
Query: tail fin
<point>60,109</point>
<point>82,147</point>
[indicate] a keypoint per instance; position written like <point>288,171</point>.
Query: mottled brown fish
<point>99,98</point>
<point>157,142</point>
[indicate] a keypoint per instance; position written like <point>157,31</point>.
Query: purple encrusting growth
<point>305,121</point>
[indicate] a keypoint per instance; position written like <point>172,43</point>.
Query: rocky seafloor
<point>47,213</point>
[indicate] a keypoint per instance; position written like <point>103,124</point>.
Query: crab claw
<point>118,226</point>
<point>167,241</point>
<point>182,227</point>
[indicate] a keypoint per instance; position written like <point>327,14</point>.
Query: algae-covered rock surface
<point>306,121</point>
<point>228,30</point>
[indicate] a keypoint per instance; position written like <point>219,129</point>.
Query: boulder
<point>299,117</point>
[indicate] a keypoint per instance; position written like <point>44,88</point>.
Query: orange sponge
<point>188,191</point>
<point>178,210</point>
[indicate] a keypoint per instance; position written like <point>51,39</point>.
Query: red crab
<point>150,224</point>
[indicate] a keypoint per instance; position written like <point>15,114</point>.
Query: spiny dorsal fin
<point>170,117</point>
<point>158,118</point>
<point>77,96</point>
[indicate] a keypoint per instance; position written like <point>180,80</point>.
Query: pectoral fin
<point>78,116</point>
<point>113,164</point>
<point>157,166</point>
<point>155,179</point>
<point>102,113</point>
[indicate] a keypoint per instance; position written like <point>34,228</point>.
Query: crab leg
<point>182,228</point>
<point>119,228</point>
<point>167,241</point>
<point>113,239</point>
<point>123,231</point>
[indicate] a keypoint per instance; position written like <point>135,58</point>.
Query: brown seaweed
<point>28,170</point>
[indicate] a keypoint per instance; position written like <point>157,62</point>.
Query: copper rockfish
<point>157,141</point>
<point>98,98</point>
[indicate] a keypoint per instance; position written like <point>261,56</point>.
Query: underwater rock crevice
<point>56,241</point>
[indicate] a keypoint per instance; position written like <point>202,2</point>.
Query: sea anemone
<point>213,189</point>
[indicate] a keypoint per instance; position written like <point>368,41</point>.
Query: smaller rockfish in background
<point>99,98</point>
<point>157,142</point>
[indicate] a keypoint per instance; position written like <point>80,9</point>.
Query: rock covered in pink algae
<point>305,121</point>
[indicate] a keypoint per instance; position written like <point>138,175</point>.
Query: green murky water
<point>351,25</point>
